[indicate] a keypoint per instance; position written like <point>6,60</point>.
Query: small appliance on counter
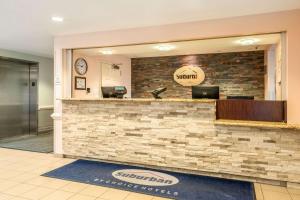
<point>114,92</point>
<point>157,92</point>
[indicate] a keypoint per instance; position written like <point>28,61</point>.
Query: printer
<point>114,92</point>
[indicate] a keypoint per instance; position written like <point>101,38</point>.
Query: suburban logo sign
<point>189,75</point>
<point>145,177</point>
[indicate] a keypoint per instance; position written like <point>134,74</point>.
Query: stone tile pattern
<point>179,135</point>
<point>236,73</point>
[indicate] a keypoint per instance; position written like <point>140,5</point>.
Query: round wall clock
<point>81,66</point>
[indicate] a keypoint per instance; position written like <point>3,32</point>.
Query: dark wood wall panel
<point>253,110</point>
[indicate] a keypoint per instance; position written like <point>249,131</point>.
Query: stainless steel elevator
<point>18,98</point>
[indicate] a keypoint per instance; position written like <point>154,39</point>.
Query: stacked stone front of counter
<point>237,74</point>
<point>178,135</point>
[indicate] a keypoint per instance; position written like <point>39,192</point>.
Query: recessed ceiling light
<point>247,41</point>
<point>106,52</point>
<point>164,47</point>
<point>57,19</point>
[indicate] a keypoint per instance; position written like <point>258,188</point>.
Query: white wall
<point>45,87</point>
<point>125,70</point>
<point>274,85</point>
<point>270,76</point>
<point>281,93</point>
<point>94,76</point>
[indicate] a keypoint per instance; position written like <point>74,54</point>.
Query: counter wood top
<point>141,100</point>
<point>258,124</point>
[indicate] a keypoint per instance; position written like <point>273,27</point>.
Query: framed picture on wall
<point>80,83</point>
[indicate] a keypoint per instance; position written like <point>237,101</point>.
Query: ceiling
<point>188,47</point>
<point>26,25</point>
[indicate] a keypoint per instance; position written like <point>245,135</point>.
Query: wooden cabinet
<point>252,110</point>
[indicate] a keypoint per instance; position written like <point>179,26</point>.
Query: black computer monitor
<point>205,92</point>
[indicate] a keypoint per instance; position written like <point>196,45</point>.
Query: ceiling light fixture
<point>164,47</point>
<point>57,19</point>
<point>248,41</point>
<point>106,52</point>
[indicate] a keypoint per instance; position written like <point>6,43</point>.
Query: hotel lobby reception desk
<point>181,135</point>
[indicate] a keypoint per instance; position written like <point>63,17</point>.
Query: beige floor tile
<point>94,191</point>
<point>7,166</point>
<point>25,167</point>
<point>294,191</point>
<point>82,197</point>
<point>37,193</point>
<point>24,177</point>
<point>18,198</point>
<point>113,194</point>
<point>6,197</point>
<point>258,191</point>
<point>74,187</point>
<point>17,165</point>
<point>56,183</point>
<point>295,196</point>
<point>274,188</point>
<point>4,164</point>
<point>160,198</point>
<point>66,161</point>
<point>19,189</point>
<point>58,195</point>
<point>136,196</point>
<point>271,195</point>
<point>5,184</point>
<point>9,174</point>
<point>41,170</point>
<point>40,180</point>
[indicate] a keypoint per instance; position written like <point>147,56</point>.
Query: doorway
<point>19,105</point>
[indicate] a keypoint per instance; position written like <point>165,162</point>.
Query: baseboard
<point>293,185</point>
<point>45,129</point>
<point>57,155</point>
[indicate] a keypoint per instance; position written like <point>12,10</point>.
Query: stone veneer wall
<point>178,135</point>
<point>239,73</point>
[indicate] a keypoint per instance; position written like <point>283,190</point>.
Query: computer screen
<point>205,92</point>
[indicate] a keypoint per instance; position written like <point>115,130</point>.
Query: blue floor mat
<point>154,182</point>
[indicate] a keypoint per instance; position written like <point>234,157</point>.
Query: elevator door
<point>18,89</point>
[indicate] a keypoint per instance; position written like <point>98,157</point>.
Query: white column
<point>58,60</point>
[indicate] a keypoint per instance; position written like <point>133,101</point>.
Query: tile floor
<point>20,180</point>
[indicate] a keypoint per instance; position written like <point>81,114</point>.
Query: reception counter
<point>181,135</point>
